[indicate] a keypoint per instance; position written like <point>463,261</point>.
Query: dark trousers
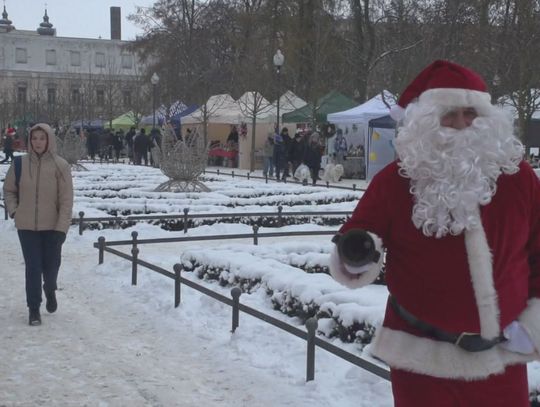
<point>42,252</point>
<point>278,163</point>
<point>314,174</point>
<point>9,156</point>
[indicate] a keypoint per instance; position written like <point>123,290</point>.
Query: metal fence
<point>284,180</point>
<point>82,221</point>
<point>311,324</point>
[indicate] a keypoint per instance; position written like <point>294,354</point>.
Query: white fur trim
<point>397,112</point>
<point>452,97</point>
<point>481,269</point>
<point>361,276</point>
<point>440,359</point>
<point>530,320</point>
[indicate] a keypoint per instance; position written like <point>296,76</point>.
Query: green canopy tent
<point>329,103</point>
<point>125,121</point>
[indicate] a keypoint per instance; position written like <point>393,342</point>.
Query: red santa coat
<point>477,282</point>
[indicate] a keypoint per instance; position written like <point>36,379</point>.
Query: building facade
<point>61,80</point>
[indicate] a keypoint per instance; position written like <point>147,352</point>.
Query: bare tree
<point>254,106</point>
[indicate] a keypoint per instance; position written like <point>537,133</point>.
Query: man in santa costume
<point>458,214</point>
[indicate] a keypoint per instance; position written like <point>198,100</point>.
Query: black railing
<point>284,180</point>
<point>279,214</point>
<point>234,302</point>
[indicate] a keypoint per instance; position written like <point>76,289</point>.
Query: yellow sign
<point>373,156</point>
<point>375,136</point>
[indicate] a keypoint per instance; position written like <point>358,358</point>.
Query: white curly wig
<point>452,172</point>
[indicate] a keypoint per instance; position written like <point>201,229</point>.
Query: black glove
<point>356,248</point>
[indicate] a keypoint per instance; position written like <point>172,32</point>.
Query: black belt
<point>471,342</point>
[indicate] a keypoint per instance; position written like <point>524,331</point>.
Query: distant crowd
<point>101,144</point>
<point>284,155</point>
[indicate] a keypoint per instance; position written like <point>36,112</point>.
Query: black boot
<point>51,304</point>
<point>34,318</point>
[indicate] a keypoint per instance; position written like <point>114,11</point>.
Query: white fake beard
<point>452,171</point>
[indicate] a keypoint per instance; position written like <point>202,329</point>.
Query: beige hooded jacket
<point>45,189</point>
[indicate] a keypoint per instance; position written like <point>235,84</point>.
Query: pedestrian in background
<point>141,146</point>
<point>268,156</point>
<point>41,201</point>
<point>312,158</point>
<point>8,146</point>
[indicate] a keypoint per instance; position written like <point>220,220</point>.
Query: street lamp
<point>154,80</point>
<point>279,59</point>
<point>81,95</point>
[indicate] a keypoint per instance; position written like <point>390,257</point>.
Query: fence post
<point>232,173</point>
<point>354,187</point>
<point>248,175</point>
<point>101,247</point>
<point>186,211</point>
<point>284,179</point>
<point>5,213</point>
<point>311,325</point>
<point>235,294</point>
<point>304,182</point>
<point>218,171</point>
<point>81,222</point>
<point>135,255</point>
<point>279,218</point>
<point>177,270</point>
<point>327,184</point>
<point>266,178</point>
<point>255,235</point>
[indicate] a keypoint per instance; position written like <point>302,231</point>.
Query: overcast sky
<point>74,18</point>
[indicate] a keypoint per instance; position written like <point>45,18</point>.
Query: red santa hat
<point>446,84</point>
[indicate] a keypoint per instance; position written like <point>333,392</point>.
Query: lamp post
<point>154,80</point>
<point>279,59</point>
<point>81,95</point>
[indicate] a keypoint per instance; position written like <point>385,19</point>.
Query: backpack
<point>17,162</point>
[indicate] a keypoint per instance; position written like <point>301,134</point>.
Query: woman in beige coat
<point>42,205</point>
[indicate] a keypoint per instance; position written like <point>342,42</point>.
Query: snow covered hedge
<point>350,315</point>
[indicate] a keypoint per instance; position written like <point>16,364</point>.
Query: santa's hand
<point>356,249</point>
<point>518,340</point>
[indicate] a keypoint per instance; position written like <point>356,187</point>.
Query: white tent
<point>221,109</point>
<point>373,108</point>
<point>368,147</point>
<point>288,102</point>
<point>251,103</point>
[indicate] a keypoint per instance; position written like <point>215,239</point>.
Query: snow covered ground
<point>113,344</point>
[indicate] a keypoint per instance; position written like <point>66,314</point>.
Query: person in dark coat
<point>141,145</point>
<point>92,144</point>
<point>129,142</point>
<point>155,147</point>
<point>8,148</point>
<point>312,158</point>
<point>287,142</point>
<point>279,154</point>
<point>118,144</point>
<point>296,151</point>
